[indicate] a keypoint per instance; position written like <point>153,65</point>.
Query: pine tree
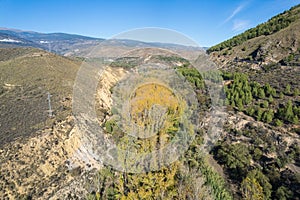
<point>268,116</point>
<point>278,122</point>
<point>271,99</point>
<point>259,113</point>
<point>265,104</point>
<point>261,93</point>
<point>268,89</point>
<point>255,91</point>
<point>295,119</point>
<point>284,193</point>
<point>240,104</point>
<point>281,95</point>
<point>289,111</point>
<point>248,97</point>
<point>296,92</point>
<point>250,111</point>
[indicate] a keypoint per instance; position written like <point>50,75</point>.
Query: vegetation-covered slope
<point>272,26</point>
<point>27,75</point>
<point>257,156</point>
<point>260,153</point>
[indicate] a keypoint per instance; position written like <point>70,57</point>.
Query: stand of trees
<point>257,100</point>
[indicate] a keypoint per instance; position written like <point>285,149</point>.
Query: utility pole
<point>49,103</point>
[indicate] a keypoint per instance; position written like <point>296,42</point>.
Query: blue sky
<point>208,22</point>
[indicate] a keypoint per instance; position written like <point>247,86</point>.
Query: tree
<point>250,111</point>
<point>286,113</point>
<point>283,193</point>
<point>296,92</point>
<point>257,154</point>
<point>255,91</point>
<point>268,89</point>
<point>265,104</point>
<point>289,111</point>
<point>288,89</point>
<point>281,95</point>
<point>296,110</point>
<point>259,113</point>
<point>295,119</point>
<point>278,122</point>
<point>262,180</point>
<point>273,92</point>
<point>232,103</point>
<point>240,104</point>
<point>236,158</point>
<point>251,189</point>
<point>248,97</point>
<point>268,116</point>
<point>261,93</point>
<point>109,126</point>
<point>271,99</point>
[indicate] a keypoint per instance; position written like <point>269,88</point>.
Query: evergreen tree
<point>261,93</point>
<point>295,119</point>
<point>284,193</point>
<point>240,104</point>
<point>255,91</point>
<point>265,104</point>
<point>268,116</point>
<point>296,92</point>
<point>250,111</point>
<point>289,111</point>
<point>288,89</point>
<point>271,99</point>
<point>259,113</point>
<point>281,95</point>
<point>278,122</point>
<point>268,89</point>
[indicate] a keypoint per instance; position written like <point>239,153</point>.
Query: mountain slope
<point>260,149</point>
<point>277,40</point>
<point>11,40</point>
<point>27,75</point>
<point>272,26</point>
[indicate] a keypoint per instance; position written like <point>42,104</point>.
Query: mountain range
<point>256,157</point>
<point>76,45</point>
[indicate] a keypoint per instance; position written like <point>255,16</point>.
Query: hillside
<point>27,75</point>
<point>261,73</point>
<point>46,156</point>
<point>275,41</point>
<point>104,122</point>
<point>273,25</point>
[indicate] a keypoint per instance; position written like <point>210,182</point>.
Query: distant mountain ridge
<point>60,43</point>
<point>72,44</point>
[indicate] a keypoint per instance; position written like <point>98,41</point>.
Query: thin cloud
<point>234,13</point>
<point>240,25</point>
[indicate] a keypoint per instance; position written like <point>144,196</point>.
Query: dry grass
<point>26,75</point>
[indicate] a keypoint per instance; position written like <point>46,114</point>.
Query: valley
<point>242,144</point>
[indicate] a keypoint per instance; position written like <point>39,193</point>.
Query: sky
<point>207,22</point>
